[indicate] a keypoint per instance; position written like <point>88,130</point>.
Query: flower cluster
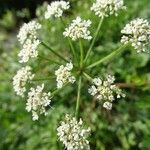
<point>78,29</point>
<point>137,32</point>
<point>105,91</point>
<point>56,9</point>
<point>105,8</point>
<point>29,50</point>
<point>72,134</point>
<point>27,37</point>
<point>38,101</point>
<point>20,79</point>
<point>63,75</point>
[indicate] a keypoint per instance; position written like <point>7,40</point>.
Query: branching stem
<point>108,57</point>
<point>54,52</point>
<point>94,39</point>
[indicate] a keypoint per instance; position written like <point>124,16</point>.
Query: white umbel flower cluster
<point>78,29</point>
<point>72,134</point>
<point>28,31</point>
<point>106,91</point>
<point>29,50</point>
<point>20,79</point>
<point>63,75</point>
<point>105,8</point>
<point>137,32</point>
<point>56,9</point>
<point>38,101</point>
<point>27,37</point>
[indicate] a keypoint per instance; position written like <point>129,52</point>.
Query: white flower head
<point>29,50</point>
<point>38,101</point>
<point>137,32</point>
<point>105,8</point>
<point>20,79</point>
<point>107,105</point>
<point>72,134</point>
<point>63,75</point>
<point>78,29</point>
<point>28,31</point>
<point>56,9</point>
<point>105,90</point>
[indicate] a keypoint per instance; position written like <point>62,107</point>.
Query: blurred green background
<point>126,127</point>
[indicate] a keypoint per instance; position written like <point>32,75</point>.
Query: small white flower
<point>105,90</point>
<point>105,8</point>
<point>28,31</point>
<point>20,79</point>
<point>27,37</point>
<point>92,90</point>
<point>56,9</point>
<point>63,75</point>
<point>137,32</point>
<point>78,29</point>
<point>107,105</point>
<point>29,50</point>
<point>38,101</point>
<point>72,134</point>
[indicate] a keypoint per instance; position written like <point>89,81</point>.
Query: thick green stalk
<point>94,39</point>
<point>78,97</point>
<point>81,54</point>
<point>58,55</point>
<point>108,57</point>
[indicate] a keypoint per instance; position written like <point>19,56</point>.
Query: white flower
<point>137,32</point>
<point>28,38</point>
<point>38,101</point>
<point>28,31</point>
<point>20,79</point>
<point>105,91</point>
<point>63,75</point>
<point>72,134</point>
<point>56,9</point>
<point>29,50</point>
<point>78,29</point>
<point>107,105</point>
<point>105,8</point>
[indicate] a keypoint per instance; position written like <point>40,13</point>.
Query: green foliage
<point>126,127</point>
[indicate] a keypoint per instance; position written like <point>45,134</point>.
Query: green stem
<point>108,57</point>
<point>72,49</point>
<point>87,77</point>
<point>58,90</point>
<point>69,41</point>
<point>81,53</point>
<point>94,39</point>
<point>58,55</point>
<point>78,97</point>
<point>44,58</point>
